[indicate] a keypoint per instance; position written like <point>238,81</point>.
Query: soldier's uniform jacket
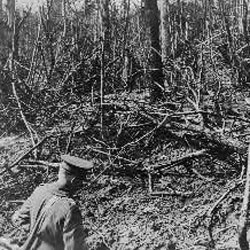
<point>61,228</point>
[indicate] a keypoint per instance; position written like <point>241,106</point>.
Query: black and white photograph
<point>124,124</point>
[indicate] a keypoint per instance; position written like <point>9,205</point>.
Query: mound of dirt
<point>124,213</point>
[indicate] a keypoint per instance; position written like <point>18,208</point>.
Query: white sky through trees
<point>26,4</point>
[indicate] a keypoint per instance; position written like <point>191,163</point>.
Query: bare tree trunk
<point>105,24</point>
<point>1,8</point>
<point>245,19</point>
<point>13,56</point>
<point>205,18</point>
<point>102,83</point>
<point>11,24</point>
<point>242,229</point>
<point>153,19</point>
<point>126,11</point>
<point>34,57</point>
<point>47,23</point>
<point>240,16</point>
<point>105,48</point>
<point>223,7</point>
<point>64,16</point>
<point>126,55</point>
<point>165,34</point>
<point>11,6</point>
<point>166,37</point>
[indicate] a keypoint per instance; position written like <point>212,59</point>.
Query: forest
<point>156,93</point>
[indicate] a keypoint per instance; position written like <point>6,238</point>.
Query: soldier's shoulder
<point>66,204</point>
<point>40,188</point>
<point>69,202</point>
<point>43,188</point>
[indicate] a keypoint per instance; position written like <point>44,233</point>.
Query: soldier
<point>54,217</point>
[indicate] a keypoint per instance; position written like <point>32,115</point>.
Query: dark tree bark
<point>1,8</point>
<point>10,6</point>
<point>105,24</point>
<point>153,19</point>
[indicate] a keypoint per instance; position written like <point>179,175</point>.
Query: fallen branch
<point>44,163</point>
<point>16,201</point>
<point>223,197</point>
<point>179,160</point>
<point>180,194</point>
<point>31,166</point>
<point>118,157</point>
<point>220,144</point>
<point>211,213</point>
<point>202,177</point>
<point>24,155</point>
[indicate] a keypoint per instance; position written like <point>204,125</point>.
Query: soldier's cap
<point>75,164</point>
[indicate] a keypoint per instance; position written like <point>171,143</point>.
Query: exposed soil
<point>122,213</point>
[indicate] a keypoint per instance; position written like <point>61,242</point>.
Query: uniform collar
<point>61,191</point>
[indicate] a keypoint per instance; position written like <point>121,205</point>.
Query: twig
<point>212,211</point>
<point>21,112</point>
<point>181,194</point>
<point>201,176</point>
<point>95,229</point>
<point>150,183</point>
<point>118,157</point>
<point>224,196</point>
<point>70,138</point>
<point>162,123</point>
<point>102,172</point>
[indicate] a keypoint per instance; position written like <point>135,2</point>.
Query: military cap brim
<point>76,162</point>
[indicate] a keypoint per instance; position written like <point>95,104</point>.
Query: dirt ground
<point>122,213</point>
